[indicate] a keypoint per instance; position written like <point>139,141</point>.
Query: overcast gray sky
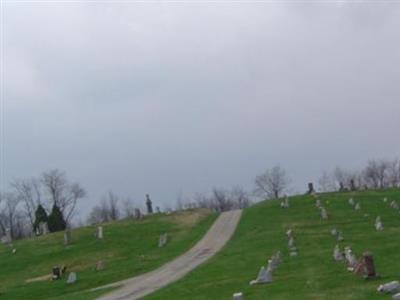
<point>178,97</point>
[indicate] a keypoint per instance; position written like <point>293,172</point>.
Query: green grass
<point>129,248</point>
<point>313,274</point>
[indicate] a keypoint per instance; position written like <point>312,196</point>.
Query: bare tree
<point>327,182</point>
<point>272,183</point>
<point>221,199</point>
<point>394,172</point>
<point>8,213</point>
<point>61,192</point>
<point>106,211</point>
<point>113,206</point>
<point>239,197</point>
<point>375,173</point>
<point>28,191</point>
<point>128,208</point>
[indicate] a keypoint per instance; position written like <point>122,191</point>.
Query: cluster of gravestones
<point>265,273</point>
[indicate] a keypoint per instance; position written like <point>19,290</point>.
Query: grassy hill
<point>313,274</point>
<point>129,248</point>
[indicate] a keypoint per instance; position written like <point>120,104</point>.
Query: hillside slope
<point>313,274</point>
<point>129,248</point>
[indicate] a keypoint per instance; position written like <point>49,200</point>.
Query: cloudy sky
<point>178,97</point>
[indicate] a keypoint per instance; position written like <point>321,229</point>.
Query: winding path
<point>216,237</point>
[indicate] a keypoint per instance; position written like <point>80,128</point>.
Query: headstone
<point>100,265</point>
<point>351,201</point>
<point>67,237</point>
<point>310,188</point>
<point>334,232</point>
<point>341,187</point>
<point>385,199</point>
<point>264,276</point>
<point>56,273</point>
<point>396,297</point>
<point>162,240</point>
<point>394,205</point>
<point>275,261</point>
<point>158,210</point>
<point>337,254</point>
<point>99,234</point>
<point>378,224</point>
<point>389,288</point>
<point>238,296</point>
<point>285,203</point>
<point>138,214</point>
<point>351,260</point>
<point>149,204</point>
<point>369,266</point>
<point>357,206</point>
<point>318,203</point>
<point>340,237</point>
<point>71,278</point>
<point>291,242</point>
<point>289,233</point>
<point>324,214</point>
<point>44,228</point>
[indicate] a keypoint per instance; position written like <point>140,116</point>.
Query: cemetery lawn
<point>130,247</point>
<point>311,275</point>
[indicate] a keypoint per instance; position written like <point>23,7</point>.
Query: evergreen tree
<point>56,220</point>
<point>40,217</point>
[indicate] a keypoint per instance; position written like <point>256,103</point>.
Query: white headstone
<point>351,201</point>
<point>291,242</point>
<point>162,240</point>
<point>334,232</point>
<point>378,224</point>
<point>396,297</point>
<point>351,260</point>
<point>337,254</point>
<point>324,214</point>
<point>44,228</point>
<point>357,206</point>
<point>389,288</point>
<point>264,276</point>
<point>318,203</point>
<point>394,205</point>
<point>67,235</point>
<point>100,232</point>
<point>238,296</point>
<point>71,278</point>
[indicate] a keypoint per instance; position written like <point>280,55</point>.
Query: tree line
<point>376,174</point>
<point>49,198</point>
